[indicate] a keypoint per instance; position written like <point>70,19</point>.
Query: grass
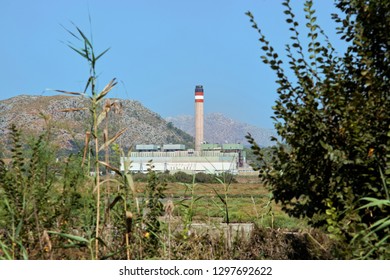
<point>248,203</point>
<point>71,224</point>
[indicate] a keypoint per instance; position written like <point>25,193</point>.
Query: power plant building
<point>207,158</point>
<point>217,159</point>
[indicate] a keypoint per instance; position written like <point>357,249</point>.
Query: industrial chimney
<point>198,117</point>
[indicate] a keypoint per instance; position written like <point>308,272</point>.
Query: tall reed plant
<point>98,114</point>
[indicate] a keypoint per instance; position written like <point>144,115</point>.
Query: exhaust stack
<point>199,99</point>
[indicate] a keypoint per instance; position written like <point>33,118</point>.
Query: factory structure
<point>207,158</point>
<point>199,100</point>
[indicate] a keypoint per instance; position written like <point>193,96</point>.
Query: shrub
<point>332,117</point>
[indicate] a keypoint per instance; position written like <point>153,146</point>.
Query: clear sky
<point>160,50</point>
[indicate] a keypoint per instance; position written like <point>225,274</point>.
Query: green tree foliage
<point>333,118</point>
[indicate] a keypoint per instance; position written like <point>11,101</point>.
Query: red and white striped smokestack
<point>199,98</point>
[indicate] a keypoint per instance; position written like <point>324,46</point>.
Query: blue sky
<point>159,51</point>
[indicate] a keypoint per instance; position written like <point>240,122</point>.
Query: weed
<point>187,207</point>
<point>153,208</point>
<point>96,99</point>
<point>372,242</point>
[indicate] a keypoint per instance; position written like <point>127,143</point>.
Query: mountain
<point>33,114</point>
<point>221,129</point>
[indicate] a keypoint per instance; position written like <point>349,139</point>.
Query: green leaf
<point>100,55</point>
<point>23,249</point>
<point>84,37</point>
<point>375,202</point>
<point>382,223</point>
<point>5,251</point>
<point>70,236</point>
<point>100,241</point>
<point>19,227</point>
<point>80,52</point>
<point>198,198</point>
<point>220,197</point>
<point>70,92</point>
<point>71,33</point>
<point>90,79</point>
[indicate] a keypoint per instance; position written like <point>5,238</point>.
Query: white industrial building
<point>211,159</point>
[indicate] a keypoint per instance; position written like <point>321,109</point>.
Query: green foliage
<point>153,208</point>
<point>367,243</point>
<point>333,118</point>
<point>71,201</point>
<point>187,207</point>
<point>26,186</point>
<point>75,241</point>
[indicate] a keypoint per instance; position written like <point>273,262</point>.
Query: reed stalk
<point>95,98</point>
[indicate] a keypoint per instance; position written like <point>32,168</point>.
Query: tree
<point>334,122</point>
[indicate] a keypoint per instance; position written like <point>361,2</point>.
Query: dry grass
<point>248,202</point>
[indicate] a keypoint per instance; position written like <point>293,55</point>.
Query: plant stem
<point>97,184</point>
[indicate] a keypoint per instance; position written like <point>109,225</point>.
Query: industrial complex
<point>207,158</point>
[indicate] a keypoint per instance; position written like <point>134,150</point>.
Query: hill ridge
<point>31,113</point>
<point>219,128</point>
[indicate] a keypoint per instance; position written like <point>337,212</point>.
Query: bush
<point>332,117</point>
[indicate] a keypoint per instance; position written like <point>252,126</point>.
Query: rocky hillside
<point>33,114</point>
<point>221,129</point>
